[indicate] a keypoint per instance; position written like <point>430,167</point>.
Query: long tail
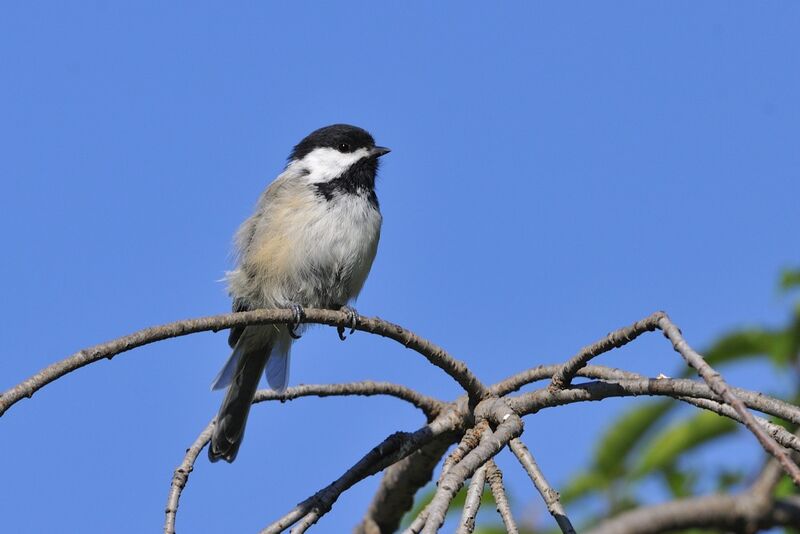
<point>249,357</point>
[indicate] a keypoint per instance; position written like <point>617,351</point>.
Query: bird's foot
<point>299,315</point>
<point>353,314</point>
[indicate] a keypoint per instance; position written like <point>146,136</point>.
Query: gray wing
<point>239,305</point>
<point>244,238</point>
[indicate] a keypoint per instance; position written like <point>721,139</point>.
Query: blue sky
<point>558,170</point>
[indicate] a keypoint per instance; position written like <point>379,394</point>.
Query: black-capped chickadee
<point>310,243</point>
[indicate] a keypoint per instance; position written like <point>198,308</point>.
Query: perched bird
<point>310,243</point>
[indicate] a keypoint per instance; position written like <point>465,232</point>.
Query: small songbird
<point>310,243</point>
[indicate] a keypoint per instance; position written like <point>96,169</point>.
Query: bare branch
<point>473,501</point>
<point>474,494</point>
<point>763,488</point>
<point>778,433</point>
<point>614,340</point>
<point>684,390</point>
<point>495,478</point>
<point>392,449</point>
<point>660,320</point>
<point>181,477</point>
<point>728,512</point>
<point>470,440</point>
<point>534,401</point>
<point>418,524</point>
<point>509,427</point>
<point>541,372</point>
<point>368,388</point>
<point>411,457</point>
<point>373,325</point>
<point>400,482</point>
<point>721,388</point>
<point>550,496</point>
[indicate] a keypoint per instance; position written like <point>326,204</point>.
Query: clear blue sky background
<point>558,170</point>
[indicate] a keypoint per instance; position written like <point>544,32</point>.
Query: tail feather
<point>249,357</point>
<point>278,363</point>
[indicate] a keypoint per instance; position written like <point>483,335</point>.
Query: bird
<point>310,242</point>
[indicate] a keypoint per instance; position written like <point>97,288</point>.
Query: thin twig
<point>470,440</point>
<point>769,477</point>
<point>542,372</point>
<point>399,484</point>
<point>181,477</point>
<point>614,340</point>
<point>472,503</point>
<point>392,449</point>
<point>534,401</point>
<point>778,433</point>
<point>418,523</point>
<point>550,496</point>
<point>306,521</point>
<point>723,512</point>
<point>660,320</point>
<point>509,427</point>
<point>428,405</point>
<point>671,387</point>
<point>495,478</point>
<point>373,325</point>
<point>721,388</point>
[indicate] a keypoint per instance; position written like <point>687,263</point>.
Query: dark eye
<point>345,147</point>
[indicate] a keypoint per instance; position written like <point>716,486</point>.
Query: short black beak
<point>379,151</point>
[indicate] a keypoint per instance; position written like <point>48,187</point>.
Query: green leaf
<point>790,278</point>
<point>785,488</point>
<point>682,437</point>
<point>681,484</point>
<point>728,478</point>
<point>615,445</point>
<point>747,343</point>
<point>582,485</point>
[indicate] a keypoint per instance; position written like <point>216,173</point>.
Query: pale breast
<point>339,247</point>
<point>312,251</point>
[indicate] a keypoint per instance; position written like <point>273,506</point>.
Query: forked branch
<point>483,422</point>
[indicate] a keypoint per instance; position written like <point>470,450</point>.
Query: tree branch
<point>729,512</point>
<point>529,403</point>
<point>550,496</point>
<point>411,457</point>
<point>660,320</point>
<point>430,406</point>
<point>721,388</point>
<point>541,372</point>
<point>778,433</point>
<point>614,340</point>
<point>472,503</point>
<point>400,482</point>
<point>495,478</point>
<point>373,325</point>
<point>509,426</point>
<point>180,478</point>
<point>392,449</point>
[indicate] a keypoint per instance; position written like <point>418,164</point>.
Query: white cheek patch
<point>326,164</point>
